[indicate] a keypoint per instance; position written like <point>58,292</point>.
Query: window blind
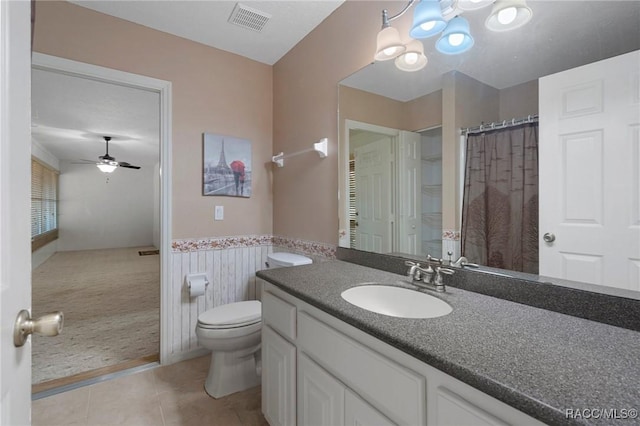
<point>44,199</point>
<point>353,214</point>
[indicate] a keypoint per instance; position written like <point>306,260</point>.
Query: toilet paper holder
<point>193,278</point>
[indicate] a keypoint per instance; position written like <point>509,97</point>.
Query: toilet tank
<point>282,260</point>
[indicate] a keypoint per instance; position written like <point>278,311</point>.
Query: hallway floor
<point>166,395</point>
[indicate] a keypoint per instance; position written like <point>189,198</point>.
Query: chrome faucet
<point>461,262</point>
<point>428,277</point>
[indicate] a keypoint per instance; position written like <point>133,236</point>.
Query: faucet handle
<point>463,261</point>
<point>444,270</point>
<point>410,263</point>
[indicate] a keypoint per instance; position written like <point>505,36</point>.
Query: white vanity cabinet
<point>278,361</point>
<point>326,372</point>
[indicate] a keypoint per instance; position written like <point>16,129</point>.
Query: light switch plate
<point>219,213</point>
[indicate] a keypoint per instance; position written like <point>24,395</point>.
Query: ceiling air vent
<point>248,17</point>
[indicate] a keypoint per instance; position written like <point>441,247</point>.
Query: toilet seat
<point>232,315</point>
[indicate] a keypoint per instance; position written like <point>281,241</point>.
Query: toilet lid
<point>232,315</point>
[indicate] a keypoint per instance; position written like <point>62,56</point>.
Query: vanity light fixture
<point>413,59</point>
<point>455,38</point>
<point>508,14</point>
<point>468,5</point>
<point>427,19</point>
<point>389,45</point>
<point>430,18</point>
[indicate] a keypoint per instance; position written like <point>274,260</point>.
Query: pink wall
<point>424,112</point>
<point>369,108</point>
<point>519,101</point>
<point>305,85</point>
<point>213,91</point>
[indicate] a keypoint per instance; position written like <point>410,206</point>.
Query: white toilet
<point>232,333</point>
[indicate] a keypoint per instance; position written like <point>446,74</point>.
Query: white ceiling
<point>206,22</point>
<point>70,116</point>
<point>561,35</point>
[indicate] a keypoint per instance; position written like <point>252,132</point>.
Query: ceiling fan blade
<point>127,165</point>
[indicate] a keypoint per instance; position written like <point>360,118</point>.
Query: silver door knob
<point>548,237</point>
<point>47,325</point>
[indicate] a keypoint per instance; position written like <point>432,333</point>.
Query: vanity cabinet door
<point>453,410</point>
<point>278,379</point>
<point>358,412</point>
<point>321,396</point>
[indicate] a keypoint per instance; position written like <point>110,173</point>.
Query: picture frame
<point>226,166</point>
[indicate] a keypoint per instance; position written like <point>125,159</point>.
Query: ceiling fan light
<point>106,168</point>
<point>456,37</point>
<point>413,59</point>
<point>389,45</point>
<point>507,15</point>
<point>427,19</point>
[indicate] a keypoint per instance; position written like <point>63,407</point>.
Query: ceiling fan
<point>107,163</point>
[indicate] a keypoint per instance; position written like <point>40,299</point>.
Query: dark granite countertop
<point>537,361</point>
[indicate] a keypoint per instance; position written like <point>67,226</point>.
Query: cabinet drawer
<point>280,315</point>
<point>396,391</point>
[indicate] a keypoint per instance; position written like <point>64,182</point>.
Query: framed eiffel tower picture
<point>226,168</point>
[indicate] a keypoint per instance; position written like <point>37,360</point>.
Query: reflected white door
<point>373,198</point>
<point>590,173</point>
<point>15,207</point>
<point>409,191</point>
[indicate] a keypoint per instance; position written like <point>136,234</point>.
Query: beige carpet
<point>111,304</point>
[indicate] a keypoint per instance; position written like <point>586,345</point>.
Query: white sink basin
<point>396,301</point>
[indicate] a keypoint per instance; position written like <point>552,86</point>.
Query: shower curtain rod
<point>500,124</point>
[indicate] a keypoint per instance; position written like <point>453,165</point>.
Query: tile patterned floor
<point>167,395</point>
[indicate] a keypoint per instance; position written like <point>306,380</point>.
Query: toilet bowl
<point>232,333</point>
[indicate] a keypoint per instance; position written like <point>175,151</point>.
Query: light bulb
<point>428,25</point>
<point>411,58</point>
<point>106,168</point>
<point>507,15</point>
<point>456,39</point>
<point>389,51</point>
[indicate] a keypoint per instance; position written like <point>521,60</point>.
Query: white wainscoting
<point>231,273</point>
<point>230,264</point>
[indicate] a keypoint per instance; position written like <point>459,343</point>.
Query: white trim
<point>343,172</point>
<point>15,201</point>
<point>98,73</point>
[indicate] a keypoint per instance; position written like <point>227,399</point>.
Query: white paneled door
<point>410,193</point>
<point>15,231</point>
<point>373,197</point>
<point>590,173</point>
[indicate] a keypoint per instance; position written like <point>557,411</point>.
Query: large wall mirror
<point>412,144</point>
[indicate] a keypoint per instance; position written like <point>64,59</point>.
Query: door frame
<point>163,88</point>
<point>343,173</point>
<point>15,204</point>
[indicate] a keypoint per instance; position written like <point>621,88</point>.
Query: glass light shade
<point>427,19</point>
<point>473,4</point>
<point>413,58</point>
<point>389,45</point>
<point>106,168</point>
<point>455,38</point>
<point>508,15</point>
